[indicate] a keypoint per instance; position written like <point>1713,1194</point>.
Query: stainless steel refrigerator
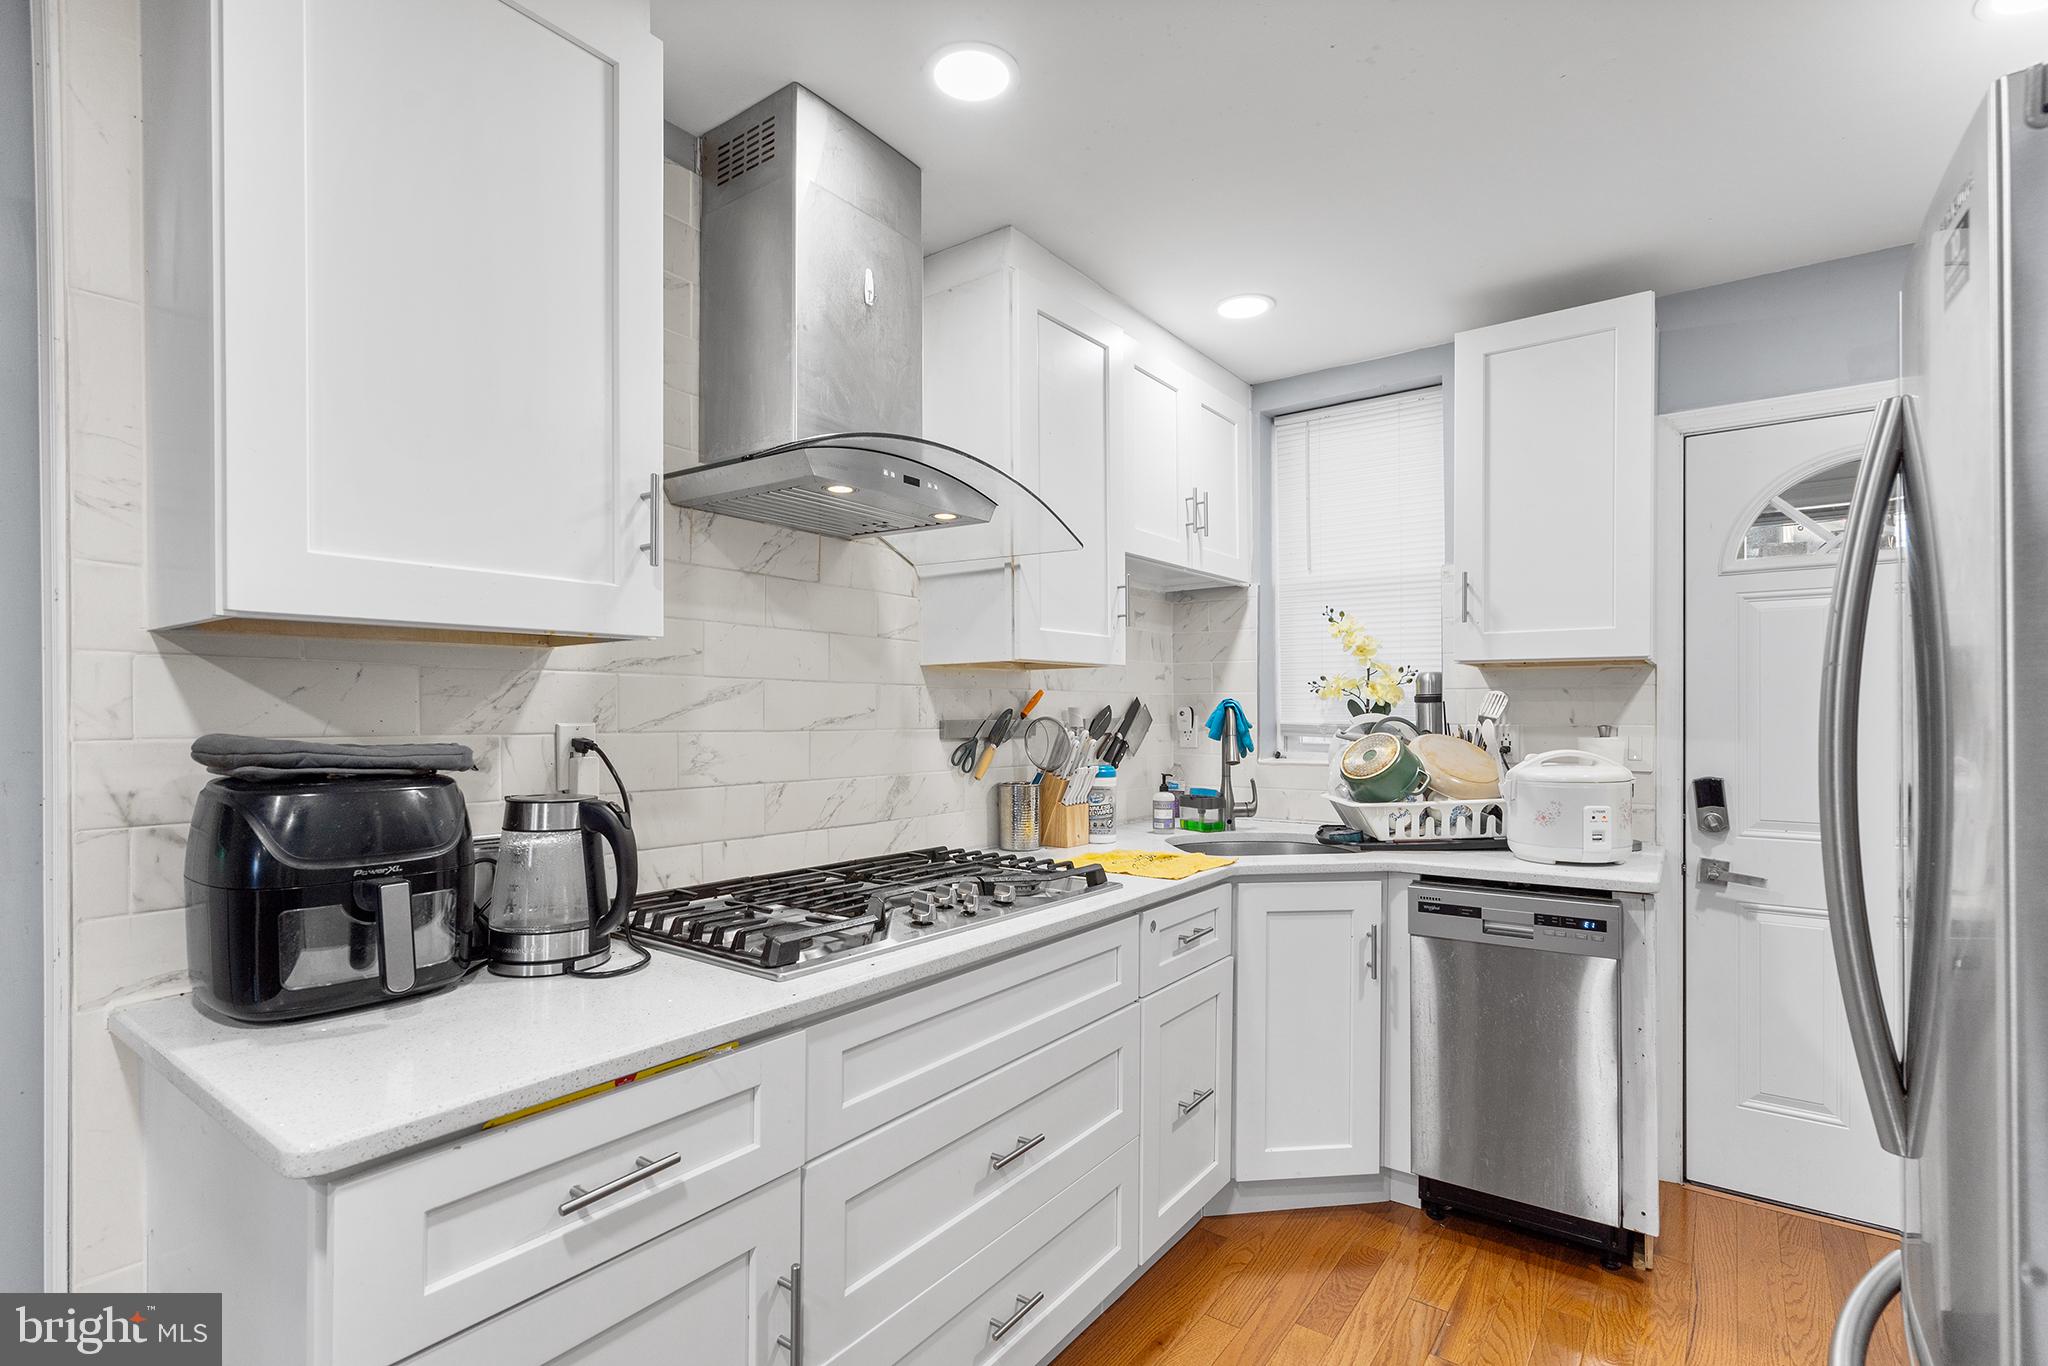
<point>1959,461</point>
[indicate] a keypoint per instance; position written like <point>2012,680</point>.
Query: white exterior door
<point>1067,602</point>
<point>441,346</point>
<point>1308,1029</point>
<point>1553,497</point>
<point>1774,1105</point>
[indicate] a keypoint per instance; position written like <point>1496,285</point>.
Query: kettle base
<point>505,968</point>
<point>544,953</point>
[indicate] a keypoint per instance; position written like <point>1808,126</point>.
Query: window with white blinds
<point>1358,525</point>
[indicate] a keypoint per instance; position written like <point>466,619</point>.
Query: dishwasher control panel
<point>1570,927</point>
<point>1586,925</point>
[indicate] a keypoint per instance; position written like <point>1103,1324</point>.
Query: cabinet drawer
<point>706,1292</point>
<point>1187,1100</point>
<point>890,1213</point>
<point>1044,1277</point>
<point>870,1066</point>
<point>425,1247</point>
<point>1184,936</point>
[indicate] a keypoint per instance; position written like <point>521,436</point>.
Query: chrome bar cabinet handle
<point>1188,1106</point>
<point>1205,515</point>
<point>1372,942</point>
<point>645,1169</point>
<point>1024,1145</point>
<point>1192,523</point>
<point>792,1342</point>
<point>1195,936</point>
<point>998,1328</point>
<point>652,545</point>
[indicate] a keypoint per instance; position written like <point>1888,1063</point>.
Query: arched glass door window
<point>1807,517</point>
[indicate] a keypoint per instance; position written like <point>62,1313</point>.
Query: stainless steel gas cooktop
<point>785,924</point>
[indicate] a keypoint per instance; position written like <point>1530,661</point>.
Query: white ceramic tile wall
<point>782,718</point>
<point>1216,650</point>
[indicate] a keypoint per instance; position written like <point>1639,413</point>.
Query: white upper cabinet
<point>1024,375</point>
<point>1553,510</point>
<point>1183,479</point>
<point>1138,443</point>
<point>404,313</point>
<point>1218,462</point>
<point>1156,501</point>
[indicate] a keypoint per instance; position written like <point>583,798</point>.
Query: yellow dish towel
<point>1154,863</point>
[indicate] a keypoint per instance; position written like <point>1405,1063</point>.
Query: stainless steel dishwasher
<point>1515,1009</point>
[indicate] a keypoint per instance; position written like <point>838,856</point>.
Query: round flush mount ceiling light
<point>1244,305</point>
<point>2007,9</point>
<point>973,71</point>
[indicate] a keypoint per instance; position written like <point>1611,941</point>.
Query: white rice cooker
<point>1568,806</point>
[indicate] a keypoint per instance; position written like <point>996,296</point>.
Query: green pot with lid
<point>1380,767</point>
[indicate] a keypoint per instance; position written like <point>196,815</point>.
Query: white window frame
<point>1299,743</point>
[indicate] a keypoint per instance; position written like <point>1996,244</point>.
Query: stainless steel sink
<point>1251,844</point>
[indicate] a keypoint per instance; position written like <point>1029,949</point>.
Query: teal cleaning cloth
<point>1229,707</point>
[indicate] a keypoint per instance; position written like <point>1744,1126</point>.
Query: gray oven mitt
<point>250,756</point>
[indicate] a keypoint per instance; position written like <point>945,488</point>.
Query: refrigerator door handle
<point>1928,802</point>
<point>1840,833</point>
<point>1850,1344</point>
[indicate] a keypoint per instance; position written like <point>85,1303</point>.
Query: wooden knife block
<point>1060,826</point>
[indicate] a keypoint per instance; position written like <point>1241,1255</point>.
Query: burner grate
<point>780,922</point>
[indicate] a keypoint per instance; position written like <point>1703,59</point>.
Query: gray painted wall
<point>21,713</point>
<point>1817,327</point>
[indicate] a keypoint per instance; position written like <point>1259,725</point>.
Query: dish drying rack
<point>1461,823</point>
<point>1448,823</point>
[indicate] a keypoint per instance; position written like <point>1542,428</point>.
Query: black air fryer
<point>307,895</point>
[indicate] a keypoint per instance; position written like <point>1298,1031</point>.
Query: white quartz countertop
<point>319,1097</point>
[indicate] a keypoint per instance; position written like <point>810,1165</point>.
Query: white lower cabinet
<point>1019,1296</point>
<point>711,1291</point>
<point>426,1246</point>
<point>891,1213</point>
<point>1185,1158</point>
<point>1308,1029</point>
<point>1184,936</point>
<point>990,1155</point>
<point>884,1060</point>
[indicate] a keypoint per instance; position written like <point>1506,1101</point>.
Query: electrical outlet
<point>574,772</point>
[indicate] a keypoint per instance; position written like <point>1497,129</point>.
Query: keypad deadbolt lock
<point>1710,806</point>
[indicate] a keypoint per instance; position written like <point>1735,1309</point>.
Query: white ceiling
<point>1389,170</point>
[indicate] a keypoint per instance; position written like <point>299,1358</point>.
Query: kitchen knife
<point>1132,736</point>
<point>1109,742</point>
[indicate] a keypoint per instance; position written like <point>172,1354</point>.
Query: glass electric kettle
<point>548,912</point>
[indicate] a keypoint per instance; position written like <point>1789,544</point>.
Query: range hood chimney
<point>811,312</point>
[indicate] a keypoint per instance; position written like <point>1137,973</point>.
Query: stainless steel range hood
<point>812,322</point>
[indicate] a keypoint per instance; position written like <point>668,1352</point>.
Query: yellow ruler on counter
<point>605,1086</point>
<point>1160,863</point>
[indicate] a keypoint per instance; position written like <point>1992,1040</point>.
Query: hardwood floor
<point>1736,1284</point>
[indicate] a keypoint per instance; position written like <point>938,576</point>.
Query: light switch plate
<point>1639,746</point>
<point>574,772</point>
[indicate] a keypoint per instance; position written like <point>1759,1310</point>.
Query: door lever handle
<point>1715,872</point>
